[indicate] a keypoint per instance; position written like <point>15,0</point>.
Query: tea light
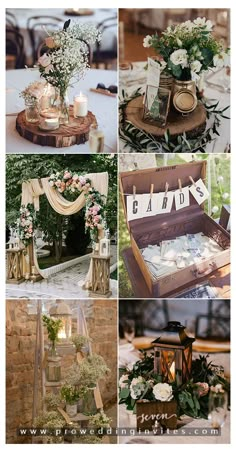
<point>49,119</point>
<point>80,105</point>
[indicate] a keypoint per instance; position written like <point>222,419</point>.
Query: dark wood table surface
<point>220,280</point>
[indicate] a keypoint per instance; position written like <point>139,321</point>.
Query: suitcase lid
<point>142,180</point>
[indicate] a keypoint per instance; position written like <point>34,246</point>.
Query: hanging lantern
<point>63,312</point>
<point>173,354</point>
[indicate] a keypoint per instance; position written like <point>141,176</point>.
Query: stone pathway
<point>64,284</point>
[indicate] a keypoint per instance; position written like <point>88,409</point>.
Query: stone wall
<point>101,318</point>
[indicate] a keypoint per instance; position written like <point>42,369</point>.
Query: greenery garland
<point>141,141</point>
<point>192,397</point>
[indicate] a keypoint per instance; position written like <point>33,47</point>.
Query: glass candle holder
<point>96,139</point>
<point>80,105</point>
<point>31,112</point>
<point>49,119</point>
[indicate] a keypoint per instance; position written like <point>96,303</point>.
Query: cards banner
<point>147,205</point>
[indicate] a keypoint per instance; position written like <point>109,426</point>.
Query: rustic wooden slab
<point>192,124</point>
<point>74,133</point>
<point>220,279</point>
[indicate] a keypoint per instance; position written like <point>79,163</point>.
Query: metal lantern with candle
<point>173,354</point>
<point>63,312</point>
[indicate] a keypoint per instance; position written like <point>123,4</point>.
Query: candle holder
<point>80,105</point>
<point>49,119</point>
<point>96,139</point>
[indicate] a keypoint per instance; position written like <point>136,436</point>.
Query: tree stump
<point>14,266</point>
<point>193,124</point>
<point>74,133</point>
<point>100,276</point>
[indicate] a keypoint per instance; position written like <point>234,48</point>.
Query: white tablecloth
<point>109,38</point>
<point>137,78</point>
<point>128,420</point>
<point>103,107</point>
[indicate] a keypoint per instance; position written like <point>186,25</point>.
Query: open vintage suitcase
<point>192,219</point>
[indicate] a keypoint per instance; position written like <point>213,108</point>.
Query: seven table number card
<point>150,204</point>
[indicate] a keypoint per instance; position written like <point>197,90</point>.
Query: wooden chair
<point>105,57</point>
<point>15,56</point>
<point>11,21</point>
<point>34,24</point>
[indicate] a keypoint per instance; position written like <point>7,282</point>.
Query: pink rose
<point>44,60</point>
<point>50,43</point>
<point>67,175</point>
<point>82,180</point>
<point>202,388</point>
<point>49,68</point>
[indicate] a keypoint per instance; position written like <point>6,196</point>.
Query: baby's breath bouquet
<point>187,49</point>
<point>67,55</point>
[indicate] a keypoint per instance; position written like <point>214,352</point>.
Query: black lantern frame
<point>173,354</point>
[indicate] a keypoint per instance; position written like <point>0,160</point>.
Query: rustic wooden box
<point>149,412</point>
<point>192,219</point>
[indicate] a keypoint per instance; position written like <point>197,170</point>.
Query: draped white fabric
<point>31,191</point>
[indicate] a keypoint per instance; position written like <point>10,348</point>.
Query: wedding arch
<point>31,192</point>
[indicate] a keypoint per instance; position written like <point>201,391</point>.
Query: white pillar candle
<point>80,105</point>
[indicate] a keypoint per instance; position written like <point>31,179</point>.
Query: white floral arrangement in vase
<point>67,57</point>
<point>187,49</point>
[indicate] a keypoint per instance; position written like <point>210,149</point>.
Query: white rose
<point>220,60</point>
<point>147,41</point>
<point>122,384</point>
<point>196,66</point>
<point>179,57</point>
<point>163,392</point>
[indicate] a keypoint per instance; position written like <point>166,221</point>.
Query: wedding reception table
<point>131,80</point>
<point>129,354</point>
<point>103,107</point>
<point>196,426</point>
<point>109,38</point>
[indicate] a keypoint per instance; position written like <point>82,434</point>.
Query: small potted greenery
<point>70,395</point>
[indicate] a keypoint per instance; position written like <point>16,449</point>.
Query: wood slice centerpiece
<point>193,124</point>
<point>74,133</point>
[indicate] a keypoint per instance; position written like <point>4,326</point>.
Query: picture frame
<point>156,105</point>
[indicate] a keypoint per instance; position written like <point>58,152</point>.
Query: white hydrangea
<point>137,387</point>
<point>180,57</point>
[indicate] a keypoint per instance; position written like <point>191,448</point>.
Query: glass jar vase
<point>53,366</point>
<point>49,119</point>
<point>31,111</point>
<point>63,105</point>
